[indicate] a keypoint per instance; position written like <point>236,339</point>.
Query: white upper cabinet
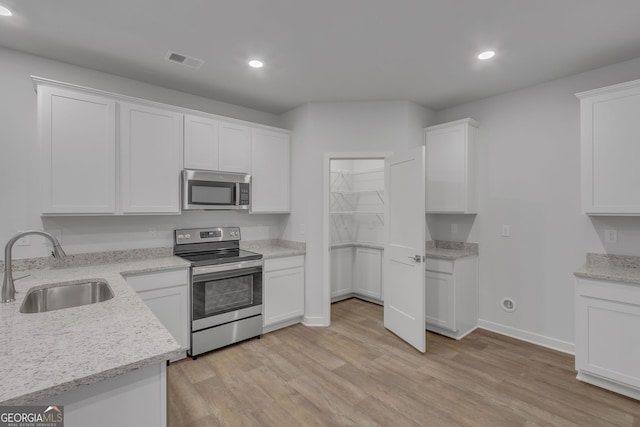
<point>77,136</point>
<point>270,171</point>
<point>610,149</point>
<point>201,143</point>
<point>150,159</point>
<point>451,167</point>
<point>235,148</point>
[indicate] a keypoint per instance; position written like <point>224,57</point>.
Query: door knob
<point>416,258</point>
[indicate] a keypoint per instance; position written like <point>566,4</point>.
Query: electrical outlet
<point>454,228</point>
<point>506,231</point>
<point>303,229</point>
<point>153,232</point>
<point>610,236</point>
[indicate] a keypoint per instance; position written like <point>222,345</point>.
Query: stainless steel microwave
<point>212,190</point>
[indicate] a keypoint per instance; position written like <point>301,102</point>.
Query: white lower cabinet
<point>607,319</point>
<point>136,398</point>
<point>341,273</point>
<point>356,271</point>
<point>167,295</point>
<point>368,275</point>
<point>452,296</point>
<point>283,292</point>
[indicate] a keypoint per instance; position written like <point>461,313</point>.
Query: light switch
<point>506,230</point>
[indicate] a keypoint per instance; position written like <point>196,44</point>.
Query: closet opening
<point>354,227</point>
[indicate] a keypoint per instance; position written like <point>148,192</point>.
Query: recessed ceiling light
<point>255,63</point>
<point>487,54</point>
<point>5,12</point>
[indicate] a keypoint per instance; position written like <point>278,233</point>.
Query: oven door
<point>225,293</point>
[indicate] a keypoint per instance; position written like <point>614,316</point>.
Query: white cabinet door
<point>451,163</point>
<point>341,272</point>
<point>440,309</point>
<point>171,306</point>
<point>368,277</point>
<point>607,342</point>
<point>283,290</point>
<point>610,150</point>
<point>78,143</point>
<point>235,148</point>
<point>270,171</point>
<point>150,159</point>
<point>201,143</point>
<point>167,295</point>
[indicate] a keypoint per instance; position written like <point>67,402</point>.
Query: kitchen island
<point>105,362</point>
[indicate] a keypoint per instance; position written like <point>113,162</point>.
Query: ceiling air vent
<point>189,61</point>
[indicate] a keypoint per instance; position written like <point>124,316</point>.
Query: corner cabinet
<point>452,167</point>
<point>150,159</point>
<point>610,149</point>
<point>270,171</point>
<point>283,292</point>
<point>452,296</point>
<point>166,293</point>
<point>78,152</point>
<point>607,321</point>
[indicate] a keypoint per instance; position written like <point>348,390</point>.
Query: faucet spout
<point>8,287</point>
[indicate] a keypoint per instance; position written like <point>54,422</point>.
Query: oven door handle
<point>226,267</point>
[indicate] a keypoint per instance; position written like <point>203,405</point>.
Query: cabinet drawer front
<point>439,265</point>
<point>282,263</point>
<point>159,280</point>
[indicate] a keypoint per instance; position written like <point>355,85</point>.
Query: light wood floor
<point>356,373</point>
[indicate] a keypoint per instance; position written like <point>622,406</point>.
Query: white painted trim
<point>37,81</point>
<point>316,321</point>
<point>608,384</point>
<point>271,328</point>
<point>531,337</point>
<point>608,89</point>
<point>468,121</point>
<point>326,235</point>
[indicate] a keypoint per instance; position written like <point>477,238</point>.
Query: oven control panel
<point>203,235</point>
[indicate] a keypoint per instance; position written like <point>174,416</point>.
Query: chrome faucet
<point>8,288</point>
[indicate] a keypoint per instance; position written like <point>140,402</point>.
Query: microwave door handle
<point>237,194</point>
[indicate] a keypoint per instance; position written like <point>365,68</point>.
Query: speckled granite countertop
<point>444,249</point>
<point>616,268</point>
<point>274,248</point>
<point>45,354</point>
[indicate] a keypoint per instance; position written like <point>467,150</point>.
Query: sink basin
<point>66,295</point>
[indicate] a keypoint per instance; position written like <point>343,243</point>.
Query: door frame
<point>326,234</point>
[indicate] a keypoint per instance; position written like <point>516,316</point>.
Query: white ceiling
<point>331,50</point>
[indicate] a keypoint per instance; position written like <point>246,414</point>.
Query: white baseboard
<point>316,321</point>
<point>271,328</point>
<point>542,340</point>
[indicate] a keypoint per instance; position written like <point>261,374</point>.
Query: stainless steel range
<point>226,287</point>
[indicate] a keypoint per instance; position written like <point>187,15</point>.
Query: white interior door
<point>404,287</point>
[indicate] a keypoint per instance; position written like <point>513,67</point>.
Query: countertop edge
<point>607,277</point>
<point>29,398</point>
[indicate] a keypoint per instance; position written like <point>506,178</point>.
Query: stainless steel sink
<point>66,295</point>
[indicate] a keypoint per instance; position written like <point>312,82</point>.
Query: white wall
<point>19,189</point>
<point>530,179</point>
<point>319,128</point>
